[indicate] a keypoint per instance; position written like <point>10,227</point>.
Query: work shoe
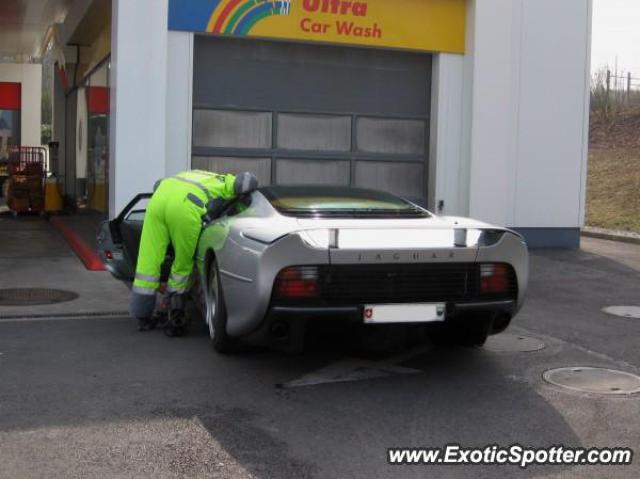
<point>176,324</point>
<point>147,324</point>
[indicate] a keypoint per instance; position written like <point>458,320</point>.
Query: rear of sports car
<point>401,269</point>
<point>364,286</point>
<point>431,287</point>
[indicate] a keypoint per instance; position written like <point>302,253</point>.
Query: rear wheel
<point>216,316</point>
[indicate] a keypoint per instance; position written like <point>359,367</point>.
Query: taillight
<point>494,278</point>
<point>108,254</point>
<point>297,282</point>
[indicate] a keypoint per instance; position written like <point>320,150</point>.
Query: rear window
<point>339,202</point>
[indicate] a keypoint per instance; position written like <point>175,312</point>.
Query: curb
<point>87,255</point>
<point>611,235</point>
<point>26,318</point>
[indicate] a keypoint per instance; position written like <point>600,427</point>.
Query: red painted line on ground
<point>86,254</point>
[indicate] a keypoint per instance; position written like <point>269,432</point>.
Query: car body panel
<point>116,264</point>
<point>118,240</point>
<point>511,249</point>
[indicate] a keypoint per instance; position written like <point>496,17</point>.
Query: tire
<point>216,313</point>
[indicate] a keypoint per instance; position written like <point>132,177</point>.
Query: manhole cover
<point>34,296</point>
<point>512,343</point>
<point>594,380</point>
<point>631,312</point>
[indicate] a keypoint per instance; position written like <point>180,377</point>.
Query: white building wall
<point>179,101</point>
<point>490,159</point>
<point>448,173</point>
<point>30,76</point>
<point>552,118</point>
<point>524,113</point>
<point>138,98</point>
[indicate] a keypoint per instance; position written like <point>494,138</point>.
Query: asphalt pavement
<point>92,398</point>
<point>34,255</point>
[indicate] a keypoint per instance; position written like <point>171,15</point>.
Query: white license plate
<point>403,313</point>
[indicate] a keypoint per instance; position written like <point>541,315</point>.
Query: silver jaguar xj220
<point>283,255</point>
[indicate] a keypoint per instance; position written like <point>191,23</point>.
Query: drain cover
<point>632,312</point>
<point>512,343</point>
<point>34,296</point>
<point>594,380</point>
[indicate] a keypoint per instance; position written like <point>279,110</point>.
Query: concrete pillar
<point>31,104</point>
<point>179,102</point>
<point>489,74</point>
<point>553,114</point>
<point>138,98</point>
<point>29,75</point>
<point>59,123</point>
<point>448,173</point>
<point>525,115</point>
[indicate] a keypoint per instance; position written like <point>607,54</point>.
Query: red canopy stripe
<point>98,99</point>
<point>10,96</point>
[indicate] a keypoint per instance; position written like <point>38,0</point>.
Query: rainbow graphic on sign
<point>238,17</point>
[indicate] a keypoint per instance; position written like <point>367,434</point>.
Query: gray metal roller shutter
<point>313,114</point>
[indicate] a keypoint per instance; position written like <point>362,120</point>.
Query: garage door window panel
<point>261,167</point>
<point>403,179</point>
<point>232,129</point>
<point>313,172</point>
<point>314,132</point>
<point>391,136</point>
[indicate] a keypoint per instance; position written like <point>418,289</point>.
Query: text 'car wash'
<point>343,27</point>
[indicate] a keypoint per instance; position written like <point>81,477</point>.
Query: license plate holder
<point>404,313</point>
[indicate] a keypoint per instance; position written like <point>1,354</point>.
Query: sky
<point>616,33</point>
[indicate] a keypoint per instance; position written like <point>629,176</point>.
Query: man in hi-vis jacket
<point>175,214</point>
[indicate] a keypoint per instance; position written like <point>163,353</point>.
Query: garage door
<point>310,114</point>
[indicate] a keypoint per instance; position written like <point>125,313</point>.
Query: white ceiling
<point>24,23</point>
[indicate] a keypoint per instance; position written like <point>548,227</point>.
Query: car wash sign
<point>424,25</point>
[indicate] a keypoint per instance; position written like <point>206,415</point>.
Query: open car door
<point>119,239</point>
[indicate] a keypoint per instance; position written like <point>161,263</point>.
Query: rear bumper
<point>356,312</point>
<point>296,317</point>
<point>500,307</point>
<point>305,312</point>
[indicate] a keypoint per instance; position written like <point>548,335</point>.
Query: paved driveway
<point>94,398</point>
